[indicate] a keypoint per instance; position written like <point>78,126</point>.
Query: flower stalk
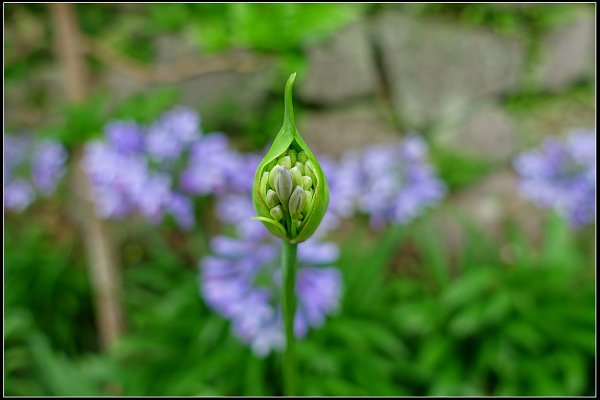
<point>288,306</point>
<point>290,195</point>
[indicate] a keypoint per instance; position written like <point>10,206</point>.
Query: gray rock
<point>567,53</point>
<point>245,90</point>
<point>341,68</point>
<point>489,203</point>
<point>120,84</point>
<point>436,69</point>
<point>488,133</point>
<point>240,91</point>
<point>334,132</point>
<point>170,47</point>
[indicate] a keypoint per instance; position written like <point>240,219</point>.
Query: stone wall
<point>394,72</point>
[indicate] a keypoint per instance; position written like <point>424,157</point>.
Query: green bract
<point>290,192</point>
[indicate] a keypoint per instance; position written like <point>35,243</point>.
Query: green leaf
<point>272,222</point>
<point>469,288</point>
<point>467,322</point>
<point>524,335</point>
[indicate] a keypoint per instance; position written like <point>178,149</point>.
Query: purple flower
<point>48,166</point>
<point>16,148</point>
<point>18,195</point>
<point>182,210</point>
<point>118,179</point>
<point>153,196</point>
<point>31,167</point>
<point>212,166</point>
<point>135,170</point>
<point>172,133</point>
<point>562,175</point>
<point>242,278</point>
<point>125,136</point>
<point>391,183</point>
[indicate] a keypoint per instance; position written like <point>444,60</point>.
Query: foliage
<point>458,170</point>
<point>505,19</point>
<point>516,321</point>
<point>221,26</point>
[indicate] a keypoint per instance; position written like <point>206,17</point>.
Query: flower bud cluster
<point>288,187</point>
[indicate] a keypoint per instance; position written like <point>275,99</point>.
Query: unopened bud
<point>285,161</point>
<point>283,184</point>
<point>306,182</point>
<point>296,176</point>
<point>271,199</point>
<point>292,154</point>
<point>276,213</point>
<point>272,176</point>
<point>296,204</point>
<point>290,191</point>
<point>302,157</point>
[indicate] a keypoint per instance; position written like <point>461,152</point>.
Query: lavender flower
<point>125,136</point>
<point>182,210</point>
<point>16,148</point>
<point>152,170</point>
<point>32,167</point>
<point>48,166</point>
<point>18,195</point>
<point>172,133</point>
<point>211,166</point>
<point>242,280</point>
<point>562,175</point>
<point>391,183</point>
<point>118,179</point>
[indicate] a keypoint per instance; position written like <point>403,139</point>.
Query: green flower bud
<point>296,176</point>
<point>306,182</point>
<point>271,174</point>
<point>302,157</point>
<point>296,204</point>
<point>292,154</point>
<point>276,213</point>
<point>272,199</point>
<point>291,170</point>
<point>283,184</point>
<point>285,161</point>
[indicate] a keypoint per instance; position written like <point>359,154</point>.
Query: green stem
<point>288,261</point>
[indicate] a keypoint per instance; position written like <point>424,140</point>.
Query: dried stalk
<point>98,243</point>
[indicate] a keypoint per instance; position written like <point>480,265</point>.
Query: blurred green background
<point>484,296</point>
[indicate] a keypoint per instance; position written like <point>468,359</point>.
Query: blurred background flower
<point>242,281</point>
<point>562,175</point>
<point>392,183</point>
<point>32,167</point>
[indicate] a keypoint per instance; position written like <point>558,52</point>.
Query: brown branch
<point>181,69</point>
<point>104,272</point>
